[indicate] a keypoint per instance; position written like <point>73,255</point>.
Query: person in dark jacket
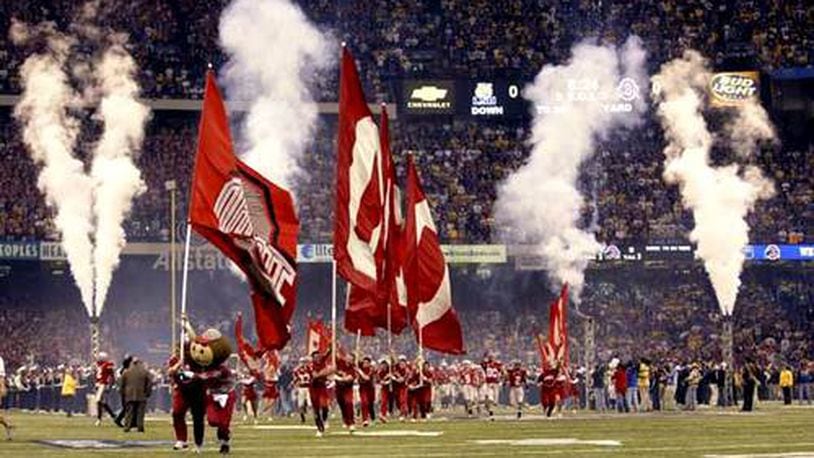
<point>749,384</point>
<point>136,385</point>
<point>124,366</point>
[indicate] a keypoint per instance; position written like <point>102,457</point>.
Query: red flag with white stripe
<point>367,310</point>
<point>426,274</point>
<point>558,327</point>
<point>359,220</point>
<point>249,219</point>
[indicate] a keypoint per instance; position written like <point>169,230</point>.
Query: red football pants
<point>401,400</point>
<point>387,398</point>
<point>367,397</point>
<point>344,397</point>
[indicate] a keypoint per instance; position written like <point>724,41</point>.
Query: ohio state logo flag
<point>249,219</point>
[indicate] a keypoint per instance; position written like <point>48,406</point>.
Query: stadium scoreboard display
<point>491,99</point>
<point>503,98</point>
<point>482,99</point>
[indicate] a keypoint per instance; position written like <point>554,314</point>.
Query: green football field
<point>772,431</point>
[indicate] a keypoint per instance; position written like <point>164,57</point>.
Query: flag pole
<point>421,354</point>
<point>358,344</point>
<point>171,187</point>
<point>184,281</point>
<point>333,313</point>
<point>389,340</point>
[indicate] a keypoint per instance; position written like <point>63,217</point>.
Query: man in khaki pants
<point>3,391</point>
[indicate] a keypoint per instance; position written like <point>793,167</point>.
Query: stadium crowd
<point>463,164</point>
<point>173,41</point>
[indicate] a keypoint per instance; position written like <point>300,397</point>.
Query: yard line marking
<point>547,441</point>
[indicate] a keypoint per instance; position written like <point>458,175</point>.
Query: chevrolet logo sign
<point>428,93</point>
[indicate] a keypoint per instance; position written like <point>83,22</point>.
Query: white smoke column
<point>50,134</point>
<point>117,179</point>
<point>719,197</point>
<point>541,199</point>
<point>275,55</point>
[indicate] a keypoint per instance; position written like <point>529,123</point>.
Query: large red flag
<point>249,219</point>
<point>359,214</point>
<point>367,310</point>
<point>429,295</point>
<point>558,327</point>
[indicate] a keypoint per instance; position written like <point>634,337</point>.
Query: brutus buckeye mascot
<point>204,385</point>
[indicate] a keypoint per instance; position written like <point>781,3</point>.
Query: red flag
<point>547,356</point>
<point>558,327</point>
<point>249,219</point>
<point>429,295</point>
<point>247,353</point>
<point>359,214</point>
<point>318,338</point>
<point>367,310</point>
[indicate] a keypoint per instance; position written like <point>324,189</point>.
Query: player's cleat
<point>97,423</point>
<point>197,450</point>
<point>224,448</point>
<point>519,414</point>
<point>365,424</point>
<point>319,433</point>
<point>351,429</point>
<point>180,445</point>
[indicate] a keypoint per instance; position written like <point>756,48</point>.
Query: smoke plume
<point>275,56</point>
<point>50,133</point>
<point>575,104</point>
<point>719,197</point>
<point>89,207</point>
<point>117,179</point>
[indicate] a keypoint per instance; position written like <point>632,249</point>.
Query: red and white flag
<point>318,337</point>
<point>365,218</point>
<point>249,219</point>
<point>359,220</point>
<point>558,327</point>
<point>429,295</point>
<point>366,310</point>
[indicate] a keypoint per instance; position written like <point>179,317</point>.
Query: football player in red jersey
<point>413,386</point>
<point>387,393</point>
<point>301,381</point>
<point>478,381</point>
<point>105,369</point>
<point>270,390</point>
<point>549,397</point>
<point>320,369</point>
<point>248,395</point>
<point>366,374</point>
<point>425,390</point>
<point>400,373</point>
<point>344,378</point>
<point>443,385</point>
<point>516,378</point>
<point>493,371</point>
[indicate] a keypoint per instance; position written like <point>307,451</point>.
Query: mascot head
<point>210,348</point>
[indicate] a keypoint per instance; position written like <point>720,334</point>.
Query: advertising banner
<point>733,88</point>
